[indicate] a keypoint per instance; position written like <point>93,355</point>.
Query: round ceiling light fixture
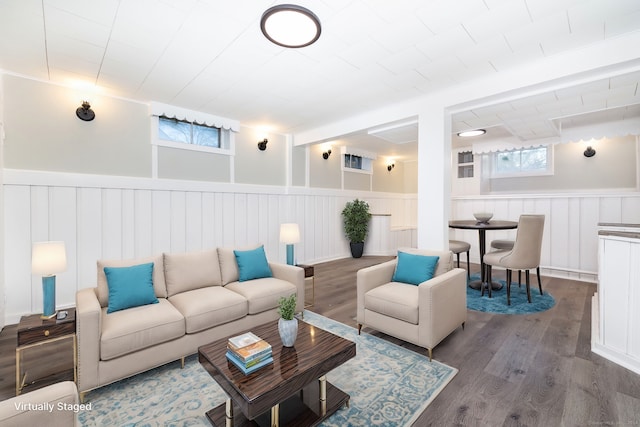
<point>475,132</point>
<point>290,25</point>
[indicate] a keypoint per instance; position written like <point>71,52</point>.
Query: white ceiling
<point>210,56</point>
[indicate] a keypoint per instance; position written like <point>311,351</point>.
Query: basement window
<point>521,162</point>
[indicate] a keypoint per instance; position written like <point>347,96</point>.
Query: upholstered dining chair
<point>457,247</point>
<point>525,254</point>
<point>503,245</point>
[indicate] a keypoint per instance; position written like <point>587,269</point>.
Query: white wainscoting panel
<point>101,217</point>
<point>570,243</point>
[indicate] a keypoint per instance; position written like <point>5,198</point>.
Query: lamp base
<point>48,297</point>
<point>43,317</point>
<point>290,260</point>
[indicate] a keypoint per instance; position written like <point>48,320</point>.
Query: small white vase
<point>288,330</point>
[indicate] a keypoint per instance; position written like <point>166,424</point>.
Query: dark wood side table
<point>33,331</point>
<point>309,276</point>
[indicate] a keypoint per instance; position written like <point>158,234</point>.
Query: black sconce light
<point>589,152</point>
<point>391,166</point>
<point>262,145</point>
<point>85,112</point>
<point>326,154</point>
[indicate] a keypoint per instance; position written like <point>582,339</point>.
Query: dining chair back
<point>525,254</point>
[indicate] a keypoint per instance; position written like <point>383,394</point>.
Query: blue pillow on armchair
<point>414,269</point>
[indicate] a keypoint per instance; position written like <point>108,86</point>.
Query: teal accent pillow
<point>414,269</point>
<point>252,264</point>
<point>130,286</point>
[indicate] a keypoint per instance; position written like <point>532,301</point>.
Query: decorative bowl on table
<point>483,217</point>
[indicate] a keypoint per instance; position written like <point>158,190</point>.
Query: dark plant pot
<point>357,249</point>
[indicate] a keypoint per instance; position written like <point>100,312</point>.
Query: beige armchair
<point>55,405</point>
<point>422,315</point>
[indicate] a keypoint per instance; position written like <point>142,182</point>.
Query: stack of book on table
<point>248,352</point>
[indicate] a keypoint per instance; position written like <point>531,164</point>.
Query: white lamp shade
<point>289,233</point>
<point>48,258</point>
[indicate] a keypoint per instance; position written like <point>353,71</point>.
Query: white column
<point>434,177</point>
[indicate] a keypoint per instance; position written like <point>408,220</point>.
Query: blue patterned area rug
<point>519,304</point>
<point>389,386</point>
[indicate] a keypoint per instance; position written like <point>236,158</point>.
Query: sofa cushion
<point>130,330</point>
<point>414,269</point>
<point>229,265</point>
<point>159,285</point>
<point>397,300</point>
<point>262,294</point>
<point>205,308</point>
<point>130,286</point>
<point>191,270</point>
<point>252,264</point>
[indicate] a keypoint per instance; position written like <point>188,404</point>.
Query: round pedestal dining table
<point>482,228</point>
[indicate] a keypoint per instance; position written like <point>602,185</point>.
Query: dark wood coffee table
<point>291,391</point>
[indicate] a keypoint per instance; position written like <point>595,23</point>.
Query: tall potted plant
<point>356,218</point>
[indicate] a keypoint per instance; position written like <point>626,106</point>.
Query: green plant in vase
<point>287,324</point>
<point>356,218</point>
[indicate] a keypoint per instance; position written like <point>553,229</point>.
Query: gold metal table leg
<point>275,415</point>
<point>323,393</point>
<point>229,413</point>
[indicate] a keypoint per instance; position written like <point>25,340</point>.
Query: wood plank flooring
<point>534,370</point>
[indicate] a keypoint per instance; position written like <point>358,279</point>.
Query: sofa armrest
<point>293,274</point>
<point>88,332</point>
<point>369,278</point>
<point>443,306</point>
<point>24,410</point>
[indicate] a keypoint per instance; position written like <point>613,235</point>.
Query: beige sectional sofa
<point>200,299</point>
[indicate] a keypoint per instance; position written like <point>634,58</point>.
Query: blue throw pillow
<point>252,264</point>
<point>130,286</point>
<point>414,269</point>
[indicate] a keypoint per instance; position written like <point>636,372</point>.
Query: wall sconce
<point>589,152</point>
<point>326,154</point>
<point>85,113</point>
<point>390,164</point>
<point>262,145</point>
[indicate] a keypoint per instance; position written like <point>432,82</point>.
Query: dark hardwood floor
<point>534,370</point>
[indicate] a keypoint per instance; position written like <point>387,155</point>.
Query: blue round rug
<point>519,304</point>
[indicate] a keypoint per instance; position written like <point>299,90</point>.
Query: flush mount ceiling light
<point>290,25</point>
<point>475,132</point>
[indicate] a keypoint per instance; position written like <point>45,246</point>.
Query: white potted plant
<point>287,324</point>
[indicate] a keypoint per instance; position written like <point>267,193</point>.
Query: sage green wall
<point>43,132</point>
<point>385,180</point>
<point>253,166</point>
<point>357,181</point>
<point>324,173</point>
<point>613,167</point>
<point>174,163</point>
<point>299,166</point>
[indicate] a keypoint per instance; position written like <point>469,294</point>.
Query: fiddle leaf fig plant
<point>356,218</point>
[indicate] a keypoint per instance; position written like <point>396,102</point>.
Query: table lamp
<point>47,259</point>
<point>289,234</point>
